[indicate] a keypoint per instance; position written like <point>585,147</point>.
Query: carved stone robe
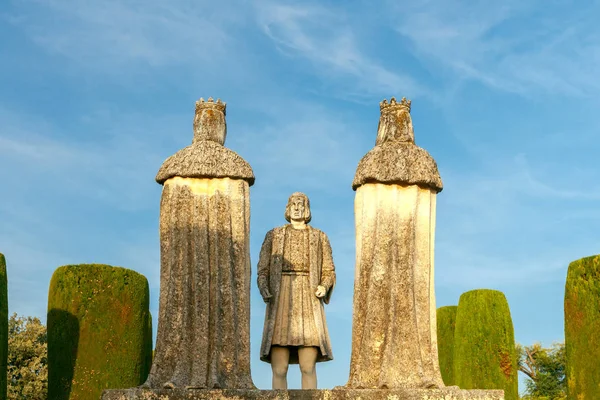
<point>203,337</point>
<point>394,338</point>
<point>321,272</point>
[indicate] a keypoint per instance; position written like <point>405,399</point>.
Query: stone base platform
<point>326,394</point>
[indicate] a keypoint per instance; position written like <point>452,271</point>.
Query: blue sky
<point>95,95</point>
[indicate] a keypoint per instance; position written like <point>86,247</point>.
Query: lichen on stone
<point>205,159</point>
<point>401,163</point>
<point>396,159</point>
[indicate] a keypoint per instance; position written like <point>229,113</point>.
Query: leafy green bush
<point>582,328</point>
<point>98,322</point>
<point>27,359</point>
<point>446,322</point>
<point>545,371</point>
<point>484,345</point>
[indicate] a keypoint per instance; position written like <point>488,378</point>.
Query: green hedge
<point>148,348</point>
<point>582,328</point>
<point>98,322</point>
<point>484,344</point>
<point>446,322</point>
<point>3,325</point>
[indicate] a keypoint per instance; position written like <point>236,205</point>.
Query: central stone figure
<point>296,276</point>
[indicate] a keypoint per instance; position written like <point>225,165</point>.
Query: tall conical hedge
<point>98,322</point>
<point>484,343</point>
<point>582,328</point>
<point>149,348</point>
<point>3,325</point>
<point>446,322</point>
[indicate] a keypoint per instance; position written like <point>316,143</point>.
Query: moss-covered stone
<point>98,323</point>
<point>582,328</point>
<point>3,325</point>
<point>338,393</point>
<point>484,344</point>
<point>446,322</point>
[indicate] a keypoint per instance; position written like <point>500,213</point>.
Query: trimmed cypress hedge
<point>446,322</point>
<point>582,328</point>
<point>148,349</point>
<point>97,330</point>
<point>484,345</point>
<point>3,326</point>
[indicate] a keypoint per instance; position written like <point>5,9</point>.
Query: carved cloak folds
<point>203,336</point>
<point>394,339</point>
<point>321,272</point>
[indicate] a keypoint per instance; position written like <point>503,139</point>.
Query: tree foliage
<point>27,359</point>
<point>545,370</point>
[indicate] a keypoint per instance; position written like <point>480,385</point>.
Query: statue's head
<point>298,208</point>
<point>395,123</point>
<point>209,121</point>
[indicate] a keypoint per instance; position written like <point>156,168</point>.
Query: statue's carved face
<point>297,209</point>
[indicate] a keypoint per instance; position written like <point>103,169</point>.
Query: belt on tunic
<point>304,273</point>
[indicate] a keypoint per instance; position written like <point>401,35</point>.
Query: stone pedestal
<point>449,393</point>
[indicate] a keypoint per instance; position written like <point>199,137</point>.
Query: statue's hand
<point>321,291</point>
<point>266,295</point>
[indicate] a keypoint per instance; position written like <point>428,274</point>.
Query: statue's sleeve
<point>327,269</point>
<point>264,261</point>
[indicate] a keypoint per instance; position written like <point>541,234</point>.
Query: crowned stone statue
<point>295,277</point>
<point>394,339</point>
<point>203,338</point>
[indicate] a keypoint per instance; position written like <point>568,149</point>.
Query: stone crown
<point>210,103</point>
<point>393,104</point>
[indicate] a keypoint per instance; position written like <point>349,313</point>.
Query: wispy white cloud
<point>539,188</point>
<point>61,192</point>
<point>29,258</point>
<point>468,268</point>
<point>503,46</point>
<point>116,167</point>
<point>327,40</point>
<point>313,148</point>
<point>504,227</point>
<point>118,33</point>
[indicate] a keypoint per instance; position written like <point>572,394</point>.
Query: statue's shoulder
<point>277,230</point>
<point>313,229</point>
<point>317,231</point>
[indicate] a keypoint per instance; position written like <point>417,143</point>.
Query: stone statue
<point>203,336</point>
<point>295,277</point>
<point>394,342</point>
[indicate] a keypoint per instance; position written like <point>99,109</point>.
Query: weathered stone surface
<point>203,335</point>
<point>206,157</point>
<point>296,275</point>
<point>396,159</point>
<point>394,340</point>
<point>396,163</point>
<point>335,394</point>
